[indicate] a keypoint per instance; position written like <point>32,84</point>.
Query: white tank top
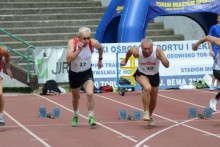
<point>149,65</point>
<point>83,61</point>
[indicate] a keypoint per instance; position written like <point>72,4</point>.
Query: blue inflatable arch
<point>127,20</point>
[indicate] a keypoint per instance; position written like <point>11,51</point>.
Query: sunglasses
<point>86,38</point>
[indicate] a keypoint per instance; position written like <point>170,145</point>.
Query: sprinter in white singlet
<point>79,56</point>
<point>147,73</point>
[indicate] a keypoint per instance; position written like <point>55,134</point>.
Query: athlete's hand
<point>9,72</point>
<point>100,65</point>
<point>80,45</point>
<point>212,53</point>
<point>194,47</point>
<point>123,63</point>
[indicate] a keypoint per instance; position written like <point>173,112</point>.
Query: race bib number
<point>147,68</point>
<point>82,63</point>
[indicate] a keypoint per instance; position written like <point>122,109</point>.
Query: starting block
<point>42,112</point>
<point>123,114</point>
<point>56,112</point>
<point>193,113</point>
<point>137,115</point>
<point>207,113</point>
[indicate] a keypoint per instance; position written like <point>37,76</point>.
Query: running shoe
<point>121,91</point>
<point>151,122</point>
<point>92,121</point>
<point>212,104</point>
<point>212,87</point>
<point>75,121</point>
<point>2,122</point>
<point>146,116</point>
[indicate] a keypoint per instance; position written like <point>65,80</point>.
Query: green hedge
<point>17,90</point>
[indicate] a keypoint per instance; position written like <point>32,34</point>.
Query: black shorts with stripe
<point>154,80</point>
<point>76,79</point>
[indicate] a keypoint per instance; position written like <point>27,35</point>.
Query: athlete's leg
<point>75,98</point>
<point>144,82</point>
<point>89,86</point>
<point>213,102</point>
<point>2,102</point>
<point>153,100</point>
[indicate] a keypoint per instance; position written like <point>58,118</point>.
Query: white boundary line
<point>103,122</point>
<point>182,123</point>
<point>177,124</point>
<point>108,128</point>
<point>168,128</point>
<point>27,130</point>
<point>133,107</point>
<point>167,97</point>
<point>151,136</point>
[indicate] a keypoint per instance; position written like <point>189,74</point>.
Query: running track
<point>172,124</point>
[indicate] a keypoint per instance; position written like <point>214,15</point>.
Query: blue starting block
<point>123,114</point>
<point>193,113</point>
<point>42,112</point>
<point>207,113</point>
<point>56,112</point>
<point>137,115</point>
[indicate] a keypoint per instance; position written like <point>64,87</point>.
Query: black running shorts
<point>153,79</point>
<point>76,79</point>
<point>216,74</point>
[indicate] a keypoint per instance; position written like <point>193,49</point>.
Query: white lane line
<point>131,107</point>
<point>199,130</point>
<point>134,107</point>
<point>168,128</point>
<point>108,128</point>
<point>155,134</point>
<point>123,136</point>
<point>107,123</point>
<point>211,135</point>
<point>182,123</point>
<point>36,139</point>
<point>200,90</point>
<point>27,130</point>
<point>181,101</point>
<point>184,101</point>
<point>176,123</point>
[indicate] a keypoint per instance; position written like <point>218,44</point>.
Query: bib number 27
<point>82,64</point>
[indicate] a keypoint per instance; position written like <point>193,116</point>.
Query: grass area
<point>17,90</point>
<point>29,90</point>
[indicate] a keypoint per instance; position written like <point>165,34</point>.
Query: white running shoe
<point>212,87</point>
<point>212,104</point>
<point>146,116</point>
<point>151,122</point>
<point>2,122</point>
